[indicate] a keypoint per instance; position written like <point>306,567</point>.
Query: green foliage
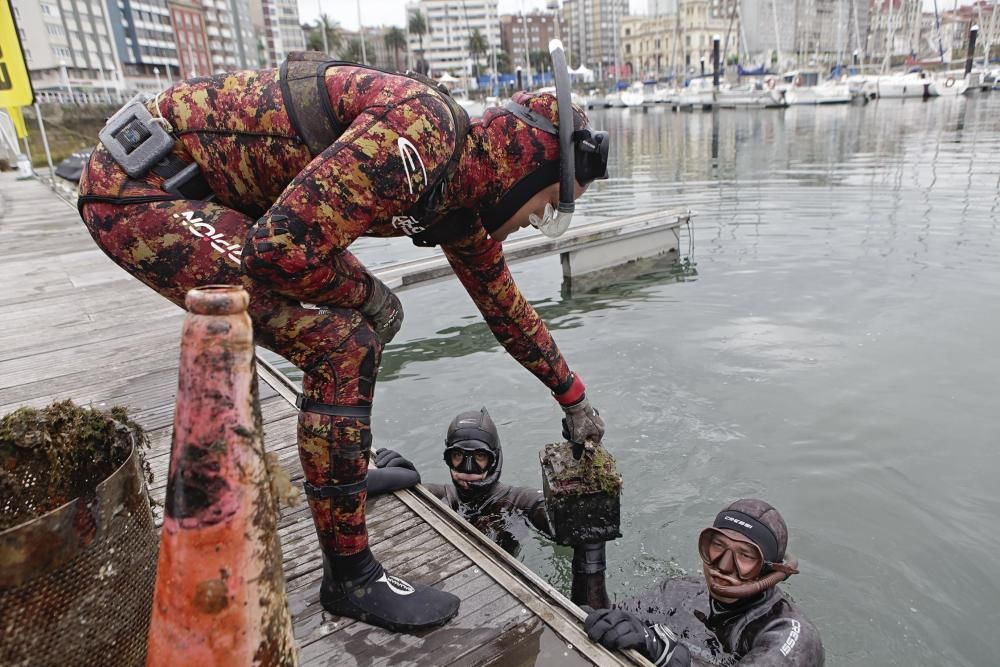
<point>351,51</point>
<point>395,40</point>
<point>503,61</point>
<point>314,34</point>
<point>478,46</point>
<point>418,27</point>
<point>51,456</point>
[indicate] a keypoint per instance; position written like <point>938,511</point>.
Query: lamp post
<point>361,31</point>
<point>322,21</point>
<point>156,71</point>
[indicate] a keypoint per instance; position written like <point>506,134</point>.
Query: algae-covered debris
<point>53,455</point>
<point>594,472</point>
<point>582,496</point>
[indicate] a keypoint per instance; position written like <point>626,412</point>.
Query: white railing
<point>83,99</point>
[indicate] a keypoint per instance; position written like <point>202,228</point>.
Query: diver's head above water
<point>472,452</point>
<point>743,551</point>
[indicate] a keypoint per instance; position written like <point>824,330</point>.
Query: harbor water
<point>826,341</point>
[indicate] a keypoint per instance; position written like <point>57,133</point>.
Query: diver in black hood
<point>474,457</point>
<point>734,615</point>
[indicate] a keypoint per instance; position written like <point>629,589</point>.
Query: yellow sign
<point>15,85</point>
<point>18,120</point>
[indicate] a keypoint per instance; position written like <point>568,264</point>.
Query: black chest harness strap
<point>303,85</point>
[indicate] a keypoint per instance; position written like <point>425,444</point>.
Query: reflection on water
<point>833,353</point>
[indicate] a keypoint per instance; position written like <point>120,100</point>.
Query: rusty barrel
<point>220,592</point>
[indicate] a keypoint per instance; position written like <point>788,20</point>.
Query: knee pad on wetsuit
<point>270,251</point>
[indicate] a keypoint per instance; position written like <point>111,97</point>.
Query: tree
<point>395,39</point>
<point>314,38</point>
<point>418,27</point>
<point>540,59</point>
<point>503,62</point>
<point>351,51</point>
<point>477,47</point>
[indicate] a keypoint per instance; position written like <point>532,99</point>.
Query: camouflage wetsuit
<point>289,217</point>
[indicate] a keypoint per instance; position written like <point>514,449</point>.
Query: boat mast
<point>857,31</point>
<point>887,61</point>
<point>937,23</point>
<point>777,34</point>
<point>725,46</point>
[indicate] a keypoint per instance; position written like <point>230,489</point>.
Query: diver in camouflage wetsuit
<point>273,206</point>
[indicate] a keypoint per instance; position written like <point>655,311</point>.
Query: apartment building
<point>591,29</point>
<point>69,45</point>
<point>450,24</point>
<point>531,33</point>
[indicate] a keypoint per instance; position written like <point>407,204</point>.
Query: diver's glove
<point>389,458</point>
<point>383,310</point>
<point>582,422</point>
<point>391,473</point>
<point>616,629</point>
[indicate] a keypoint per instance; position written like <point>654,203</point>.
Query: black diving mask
<point>471,458</point>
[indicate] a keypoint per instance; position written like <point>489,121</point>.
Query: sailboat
<point>805,87</point>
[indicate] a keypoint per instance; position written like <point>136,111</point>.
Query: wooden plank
<point>80,327</point>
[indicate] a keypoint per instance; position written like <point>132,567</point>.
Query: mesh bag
<point>76,584</point>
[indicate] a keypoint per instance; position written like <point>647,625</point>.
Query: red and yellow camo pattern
<point>280,226</point>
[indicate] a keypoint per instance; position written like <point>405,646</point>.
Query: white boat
<point>909,85</point>
<point>633,96</point>
<point>614,101</point>
<point>698,94</point>
<point>804,87</point>
<point>861,85</point>
<point>663,95</point>
<point>750,95</point>
<point>950,84</point>
<point>573,96</point>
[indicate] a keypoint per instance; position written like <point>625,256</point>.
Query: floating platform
<point>77,326</point>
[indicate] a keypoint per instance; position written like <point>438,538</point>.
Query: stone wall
<point>69,128</point>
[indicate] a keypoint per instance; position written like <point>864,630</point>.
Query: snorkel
<point>555,224</point>
<point>583,153</point>
<point>743,551</point>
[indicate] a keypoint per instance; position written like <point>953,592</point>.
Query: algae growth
<point>51,456</point>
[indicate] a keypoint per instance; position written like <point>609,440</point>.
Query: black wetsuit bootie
<point>358,587</point>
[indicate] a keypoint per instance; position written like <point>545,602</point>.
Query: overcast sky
<point>392,12</point>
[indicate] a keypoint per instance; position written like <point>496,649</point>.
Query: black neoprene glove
<point>618,630</point>
<point>391,473</point>
<point>383,310</point>
<point>389,458</point>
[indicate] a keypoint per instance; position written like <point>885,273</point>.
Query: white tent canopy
<point>447,78</point>
<point>586,74</point>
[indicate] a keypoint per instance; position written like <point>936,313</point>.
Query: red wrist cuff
<point>573,394</point>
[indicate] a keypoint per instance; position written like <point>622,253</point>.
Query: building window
<point>47,10</point>
<point>55,30</point>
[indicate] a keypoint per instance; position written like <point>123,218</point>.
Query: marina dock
<point>78,327</point>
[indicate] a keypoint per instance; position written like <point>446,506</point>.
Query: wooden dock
<point>77,326</point>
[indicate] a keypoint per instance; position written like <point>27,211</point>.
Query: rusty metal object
<point>220,592</point>
<point>582,495</point>
<point>76,583</point>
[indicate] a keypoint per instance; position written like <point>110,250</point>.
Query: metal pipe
<point>45,141</point>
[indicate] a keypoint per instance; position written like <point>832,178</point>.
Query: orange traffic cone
<point>220,592</point>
